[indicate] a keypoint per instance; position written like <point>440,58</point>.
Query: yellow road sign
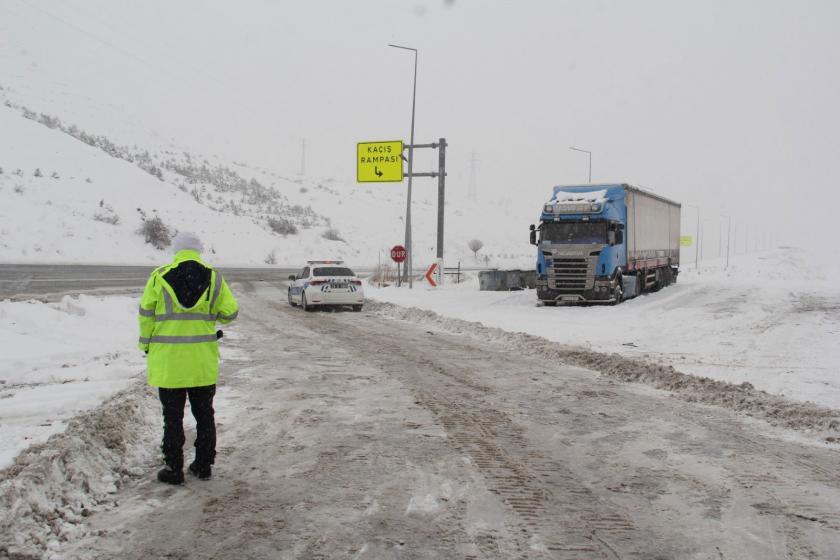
<point>686,241</point>
<point>379,162</point>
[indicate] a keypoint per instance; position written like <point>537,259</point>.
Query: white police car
<point>323,283</point>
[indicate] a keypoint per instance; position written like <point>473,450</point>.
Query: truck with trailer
<point>605,243</point>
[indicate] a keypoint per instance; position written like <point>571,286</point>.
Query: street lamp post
<point>728,238</point>
<point>408,246</point>
<point>590,160</point>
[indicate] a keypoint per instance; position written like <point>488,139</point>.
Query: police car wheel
<point>293,304</point>
<point>357,308</point>
<point>306,307</point>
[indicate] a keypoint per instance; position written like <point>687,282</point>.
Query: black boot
<point>203,472</point>
<point>170,476</point>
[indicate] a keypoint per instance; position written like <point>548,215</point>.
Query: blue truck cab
<point>604,243</point>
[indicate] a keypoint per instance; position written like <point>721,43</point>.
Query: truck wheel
<point>549,304</point>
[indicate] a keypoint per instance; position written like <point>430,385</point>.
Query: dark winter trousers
<point>201,404</point>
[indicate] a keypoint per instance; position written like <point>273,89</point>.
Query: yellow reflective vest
<point>181,343</point>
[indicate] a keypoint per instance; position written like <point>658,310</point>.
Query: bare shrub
<point>332,234</point>
<point>106,215</point>
<point>271,258</point>
<point>38,172</point>
<point>155,232</point>
<point>19,188</point>
<point>282,226</point>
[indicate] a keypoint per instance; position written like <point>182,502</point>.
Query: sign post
<point>382,162</point>
<point>398,255</point>
<point>440,146</point>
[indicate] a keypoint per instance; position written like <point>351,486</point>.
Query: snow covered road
<point>347,435</point>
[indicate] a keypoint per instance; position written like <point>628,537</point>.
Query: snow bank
<point>50,488</point>
<point>60,359</point>
<point>742,397</point>
<point>771,321</point>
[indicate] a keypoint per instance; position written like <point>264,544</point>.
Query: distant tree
<point>88,180</point>
<point>271,258</point>
<point>475,246</point>
<point>38,172</point>
<point>55,175</point>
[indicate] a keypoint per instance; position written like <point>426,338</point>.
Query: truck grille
<point>573,274</point>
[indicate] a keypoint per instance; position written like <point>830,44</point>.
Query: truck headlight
<point>596,207</point>
<point>548,208</point>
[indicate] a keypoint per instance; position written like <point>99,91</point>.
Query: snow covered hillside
<point>71,196</point>
<point>771,320</point>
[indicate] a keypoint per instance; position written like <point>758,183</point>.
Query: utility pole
<point>697,243</point>
<point>728,239</point>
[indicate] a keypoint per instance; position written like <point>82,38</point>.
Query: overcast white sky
<point>732,105</point>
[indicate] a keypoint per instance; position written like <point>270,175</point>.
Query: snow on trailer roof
<point>602,189</point>
<point>324,262</point>
<point>591,196</point>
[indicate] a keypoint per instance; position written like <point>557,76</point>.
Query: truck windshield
<point>333,271</point>
<point>574,232</point>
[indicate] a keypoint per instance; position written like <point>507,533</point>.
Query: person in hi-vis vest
<point>178,312</point>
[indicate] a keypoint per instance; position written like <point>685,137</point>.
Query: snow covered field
<point>772,320</point>
<point>87,207</point>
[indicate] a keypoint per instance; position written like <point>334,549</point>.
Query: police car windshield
<point>333,271</point>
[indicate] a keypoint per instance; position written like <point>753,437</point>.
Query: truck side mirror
<point>292,277</point>
<point>533,235</point>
